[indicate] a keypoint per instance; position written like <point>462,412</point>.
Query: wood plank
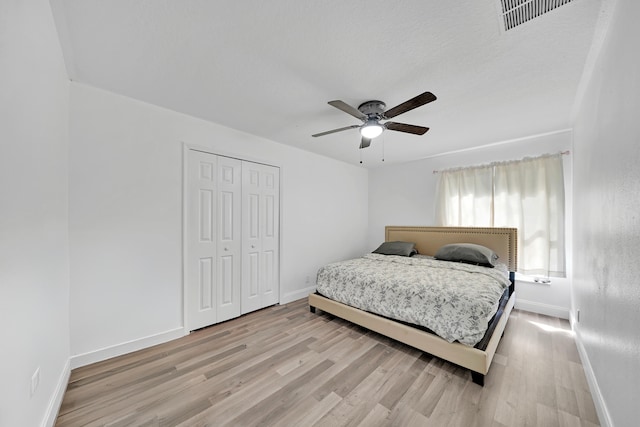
<point>286,366</point>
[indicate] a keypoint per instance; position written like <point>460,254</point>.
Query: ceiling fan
<point>372,112</point>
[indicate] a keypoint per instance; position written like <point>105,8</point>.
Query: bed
<point>477,358</point>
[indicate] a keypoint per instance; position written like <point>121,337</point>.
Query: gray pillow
<point>397,248</point>
<point>468,253</point>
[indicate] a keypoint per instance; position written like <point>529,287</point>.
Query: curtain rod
<point>563,153</point>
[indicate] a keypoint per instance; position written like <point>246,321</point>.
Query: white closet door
<point>200,292</point>
<point>260,231</point>
<point>229,247</point>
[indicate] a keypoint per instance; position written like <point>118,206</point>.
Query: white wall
<point>126,217</point>
<point>606,286</point>
<point>404,194</point>
<point>34,259</point>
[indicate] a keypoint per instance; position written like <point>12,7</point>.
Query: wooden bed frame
<point>503,241</point>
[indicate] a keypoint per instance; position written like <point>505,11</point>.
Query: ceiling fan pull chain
<point>383,148</point>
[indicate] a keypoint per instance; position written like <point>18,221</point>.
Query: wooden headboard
<point>503,241</point>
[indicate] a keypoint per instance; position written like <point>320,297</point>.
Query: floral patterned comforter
<point>454,300</point>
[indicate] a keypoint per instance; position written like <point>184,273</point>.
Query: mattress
<point>456,301</point>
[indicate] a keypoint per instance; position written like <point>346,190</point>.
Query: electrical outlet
<point>307,280</point>
<point>35,381</point>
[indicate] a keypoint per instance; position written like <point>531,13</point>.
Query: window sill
<point>533,279</point>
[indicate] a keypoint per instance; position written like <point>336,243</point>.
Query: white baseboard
<point>540,308</point>
<point>124,348</point>
<point>56,400</point>
<point>296,295</point>
<point>598,399</point>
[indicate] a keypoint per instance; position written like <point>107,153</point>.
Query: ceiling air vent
<point>516,12</point>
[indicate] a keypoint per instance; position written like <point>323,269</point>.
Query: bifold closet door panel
<point>229,248</point>
<point>260,231</point>
<point>200,286</point>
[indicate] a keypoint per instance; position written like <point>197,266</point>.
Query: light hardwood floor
<point>285,366</point>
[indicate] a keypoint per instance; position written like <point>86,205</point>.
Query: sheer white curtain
<point>527,194</point>
<point>469,197</point>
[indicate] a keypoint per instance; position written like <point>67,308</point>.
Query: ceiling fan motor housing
<point>372,109</point>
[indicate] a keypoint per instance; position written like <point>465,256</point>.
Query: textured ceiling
<point>269,68</point>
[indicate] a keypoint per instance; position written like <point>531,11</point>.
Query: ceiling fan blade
<point>336,130</point>
<point>365,142</point>
<point>403,127</point>
<point>415,102</point>
<point>340,105</point>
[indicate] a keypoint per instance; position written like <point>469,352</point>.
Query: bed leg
<point>477,378</point>
<point>312,309</point>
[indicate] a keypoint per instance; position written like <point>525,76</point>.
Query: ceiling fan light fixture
<point>371,129</point>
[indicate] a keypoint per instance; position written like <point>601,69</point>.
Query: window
<point>527,194</point>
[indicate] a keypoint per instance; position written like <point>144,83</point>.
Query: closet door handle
<point>253,246</point>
